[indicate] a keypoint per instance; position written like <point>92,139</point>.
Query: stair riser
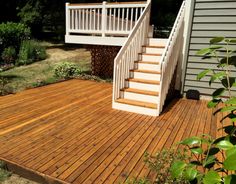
<point>139,97</point>
<point>150,50</point>
<point>135,109</point>
<point>157,42</point>
<point>142,66</point>
<point>150,58</point>
<point>145,76</point>
<point>143,86</point>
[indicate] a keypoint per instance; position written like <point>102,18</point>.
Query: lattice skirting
<point>103,60</point>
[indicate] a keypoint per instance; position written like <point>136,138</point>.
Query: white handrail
<point>124,61</point>
<point>103,19</point>
<point>170,56</point>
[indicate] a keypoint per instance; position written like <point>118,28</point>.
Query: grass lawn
<point>39,73</point>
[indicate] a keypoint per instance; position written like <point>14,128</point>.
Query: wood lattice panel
<point>103,60</point>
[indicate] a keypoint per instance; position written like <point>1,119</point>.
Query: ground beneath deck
<point>68,132</point>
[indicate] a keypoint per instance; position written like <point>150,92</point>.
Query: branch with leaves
<point>205,167</point>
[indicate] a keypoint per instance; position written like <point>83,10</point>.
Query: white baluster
<point>67,18</point>
<point>104,18</point>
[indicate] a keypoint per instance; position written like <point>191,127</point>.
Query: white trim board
<point>95,40</point>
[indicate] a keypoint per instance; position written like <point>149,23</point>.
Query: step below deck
<point>141,92</point>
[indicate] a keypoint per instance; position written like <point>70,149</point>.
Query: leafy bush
<point>161,165</point>
<point>12,34</point>
<point>9,55</point>
<point>66,70</point>
<point>206,166</point>
<point>31,15</point>
<point>4,174</point>
<point>31,51</point>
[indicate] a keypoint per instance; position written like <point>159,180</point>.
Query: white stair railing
<point>170,56</point>
<point>103,18</point>
<point>124,61</point>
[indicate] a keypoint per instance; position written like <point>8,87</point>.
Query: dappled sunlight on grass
<point>41,72</point>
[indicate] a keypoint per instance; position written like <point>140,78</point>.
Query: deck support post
<point>104,18</point>
<point>67,18</point>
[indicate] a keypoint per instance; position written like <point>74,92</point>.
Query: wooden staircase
<point>141,91</point>
<point>144,67</point>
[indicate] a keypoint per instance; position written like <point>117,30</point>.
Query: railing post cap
<point>67,3</point>
<point>104,2</point>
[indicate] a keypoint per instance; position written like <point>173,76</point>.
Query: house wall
<point>209,18</point>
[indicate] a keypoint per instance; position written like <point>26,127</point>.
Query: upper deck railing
<point>103,19</point>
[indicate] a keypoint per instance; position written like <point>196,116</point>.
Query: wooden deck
<point>68,133</point>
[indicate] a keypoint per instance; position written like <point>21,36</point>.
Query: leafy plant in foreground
<point>214,160</point>
<point>160,164</point>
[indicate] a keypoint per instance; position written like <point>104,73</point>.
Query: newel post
<point>104,18</point>
<point>67,18</point>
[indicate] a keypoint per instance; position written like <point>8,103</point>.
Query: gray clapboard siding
<point>228,34</point>
<point>213,27</point>
<point>199,46</point>
<point>194,51</point>
<point>215,4</point>
<point>205,1</point>
<point>206,91</point>
<point>210,18</point>
<point>215,12</point>
<point>223,19</point>
<point>193,59</point>
<point>198,70</point>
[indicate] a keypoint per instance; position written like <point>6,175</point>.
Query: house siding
<point>210,18</point>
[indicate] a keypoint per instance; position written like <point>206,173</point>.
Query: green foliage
<point>4,174</point>
<point>205,167</point>
<point>66,70</point>
<point>31,15</point>
<point>9,55</point>
<point>137,181</point>
<point>161,165</point>
<point>31,51</point>
<point>12,34</point>
<point>3,91</point>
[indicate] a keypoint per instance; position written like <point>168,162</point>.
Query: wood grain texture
<point>68,133</point>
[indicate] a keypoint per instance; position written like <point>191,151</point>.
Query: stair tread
<point>155,46</point>
<point>144,81</point>
<point>144,92</point>
<point>148,62</point>
<point>146,71</point>
<point>150,54</point>
<point>137,103</point>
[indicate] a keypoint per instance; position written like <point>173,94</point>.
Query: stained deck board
<point>68,133</point>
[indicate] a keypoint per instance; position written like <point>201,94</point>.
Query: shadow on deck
<point>68,133</point>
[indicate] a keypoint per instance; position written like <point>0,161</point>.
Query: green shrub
<point>205,165</point>
<point>4,88</point>
<point>4,174</point>
<point>160,164</point>
<point>66,70</point>
<point>12,34</point>
<point>9,55</point>
<point>31,51</point>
